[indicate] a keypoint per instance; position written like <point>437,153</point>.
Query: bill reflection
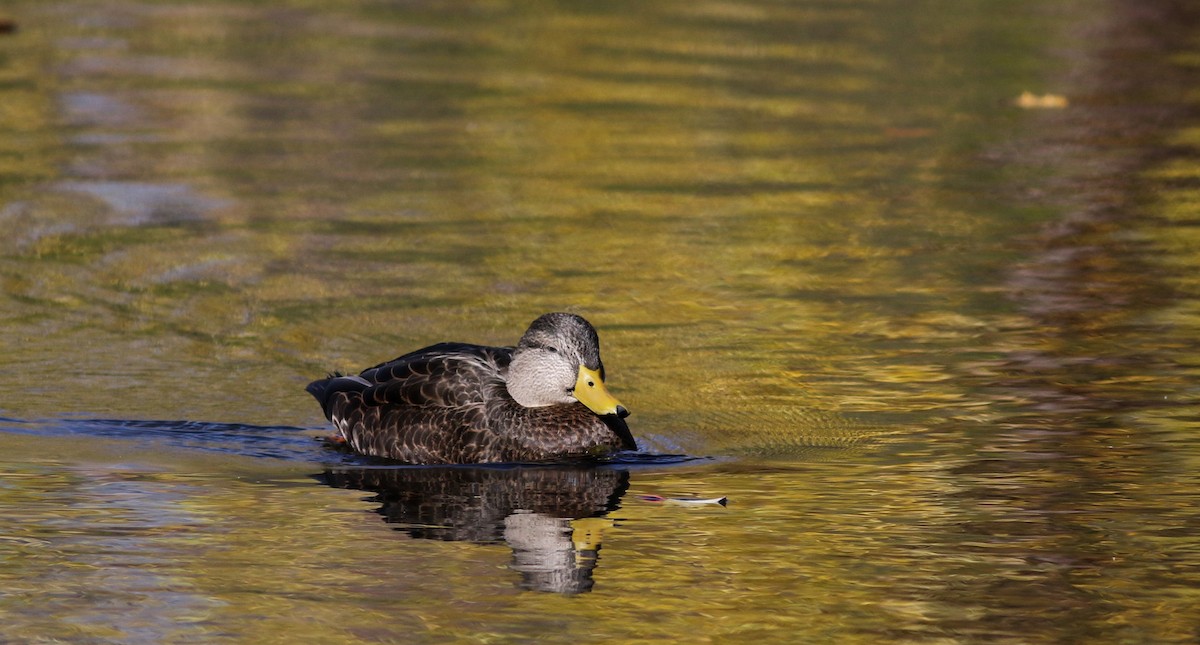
<point>552,517</point>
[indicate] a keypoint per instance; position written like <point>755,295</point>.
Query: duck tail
<point>325,389</point>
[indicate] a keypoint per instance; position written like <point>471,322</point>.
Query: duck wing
<point>427,406</point>
<point>446,374</point>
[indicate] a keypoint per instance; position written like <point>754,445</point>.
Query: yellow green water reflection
<point>180,547</point>
<point>943,347</point>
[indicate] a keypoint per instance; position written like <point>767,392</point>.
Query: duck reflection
<point>552,517</point>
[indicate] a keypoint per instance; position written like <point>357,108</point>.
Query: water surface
<point>940,348</point>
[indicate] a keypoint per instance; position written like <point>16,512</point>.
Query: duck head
<point>558,361</point>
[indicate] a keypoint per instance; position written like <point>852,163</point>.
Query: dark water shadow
<point>552,516</point>
<point>269,442</point>
<point>540,512</point>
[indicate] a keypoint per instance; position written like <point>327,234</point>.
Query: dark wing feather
<point>444,375</point>
<point>427,406</point>
<point>398,368</point>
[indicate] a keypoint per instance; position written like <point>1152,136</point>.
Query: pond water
<point>913,284</point>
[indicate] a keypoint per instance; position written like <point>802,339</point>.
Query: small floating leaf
<point>1031,101</point>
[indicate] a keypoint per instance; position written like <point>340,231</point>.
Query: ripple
<point>289,443</point>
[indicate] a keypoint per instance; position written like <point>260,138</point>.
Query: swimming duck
<point>455,403</point>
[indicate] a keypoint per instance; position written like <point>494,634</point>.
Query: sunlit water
<point>936,345</point>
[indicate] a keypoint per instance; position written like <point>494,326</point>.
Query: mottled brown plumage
<point>453,403</point>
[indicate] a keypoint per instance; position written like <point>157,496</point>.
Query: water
<point>937,349</point>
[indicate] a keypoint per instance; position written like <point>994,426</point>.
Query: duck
<point>544,399</point>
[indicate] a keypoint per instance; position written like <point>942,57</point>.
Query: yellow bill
<point>590,391</point>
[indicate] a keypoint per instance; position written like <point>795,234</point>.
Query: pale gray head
<point>558,361</point>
